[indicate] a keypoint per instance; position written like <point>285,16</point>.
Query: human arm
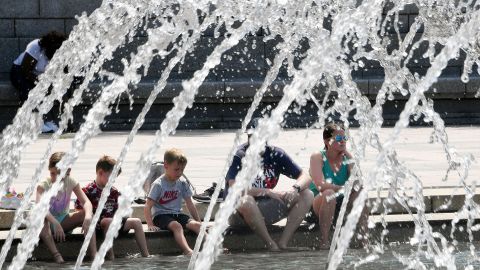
<point>87,207</point>
<point>147,211</point>
<point>316,165</point>
<point>234,169</point>
<point>303,181</point>
<point>58,232</point>
<point>349,158</point>
<point>291,169</point>
<point>259,192</point>
<point>28,66</point>
<point>192,209</point>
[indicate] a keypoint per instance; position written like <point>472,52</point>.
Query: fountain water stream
<point>357,34</point>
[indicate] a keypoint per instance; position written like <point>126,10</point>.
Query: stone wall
<point>227,93</point>
<point>21,21</point>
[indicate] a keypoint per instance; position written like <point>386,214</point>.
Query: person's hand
<point>290,197</point>
<point>58,233</point>
<point>153,228</point>
<point>347,154</point>
<point>274,195</point>
<point>86,225</point>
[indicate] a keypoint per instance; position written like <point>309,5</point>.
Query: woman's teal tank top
<point>338,178</point>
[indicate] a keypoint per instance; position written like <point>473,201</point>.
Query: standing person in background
<point>32,63</point>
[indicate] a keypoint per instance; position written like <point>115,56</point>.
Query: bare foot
<point>188,253</point>
<point>110,256</point>
<point>359,244</point>
<point>57,257</point>
<point>89,258</point>
<point>324,246</point>
<point>282,246</point>
<point>273,246</point>
<point>364,242</point>
<point>292,249</point>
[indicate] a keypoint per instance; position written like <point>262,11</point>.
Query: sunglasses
<point>339,138</point>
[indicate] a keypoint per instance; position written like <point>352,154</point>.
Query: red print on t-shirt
<point>271,179</point>
<point>168,196</point>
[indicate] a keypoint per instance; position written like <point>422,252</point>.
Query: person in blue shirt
<point>330,169</point>
<point>262,205</point>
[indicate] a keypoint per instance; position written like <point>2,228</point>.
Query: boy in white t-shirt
<point>59,219</point>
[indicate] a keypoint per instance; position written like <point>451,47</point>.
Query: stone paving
<point>207,151</point>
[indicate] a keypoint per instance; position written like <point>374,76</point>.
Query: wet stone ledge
<point>397,222</point>
<point>435,201</point>
<point>241,239</point>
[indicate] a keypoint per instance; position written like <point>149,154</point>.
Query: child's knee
<point>175,226</point>
<point>105,223</point>
<point>133,223</point>
<point>80,213</point>
<point>193,224</point>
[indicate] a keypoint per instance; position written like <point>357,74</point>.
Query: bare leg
<point>253,217</point>
<point>324,210</point>
<point>300,206</point>
<point>47,238</point>
<point>74,220</point>
<point>362,226</point>
<point>136,225</point>
<point>105,224</point>
<point>177,230</point>
<point>194,226</point>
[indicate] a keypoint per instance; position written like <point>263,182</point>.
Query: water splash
<point>357,34</point>
<point>69,50</point>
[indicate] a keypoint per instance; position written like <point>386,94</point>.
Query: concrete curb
<point>243,239</point>
<point>396,226</point>
<point>435,200</point>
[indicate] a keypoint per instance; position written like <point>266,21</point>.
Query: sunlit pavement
<point>207,152</point>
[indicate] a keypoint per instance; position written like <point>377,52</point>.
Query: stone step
<point>444,200</point>
<point>400,229</point>
<point>223,104</point>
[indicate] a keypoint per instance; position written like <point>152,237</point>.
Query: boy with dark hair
<point>165,199</point>
<point>93,191</point>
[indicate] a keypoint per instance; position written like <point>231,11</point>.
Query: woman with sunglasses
<point>329,169</point>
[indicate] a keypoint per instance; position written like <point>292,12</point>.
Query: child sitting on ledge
<point>94,191</point>
<point>59,219</point>
<point>165,198</point>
